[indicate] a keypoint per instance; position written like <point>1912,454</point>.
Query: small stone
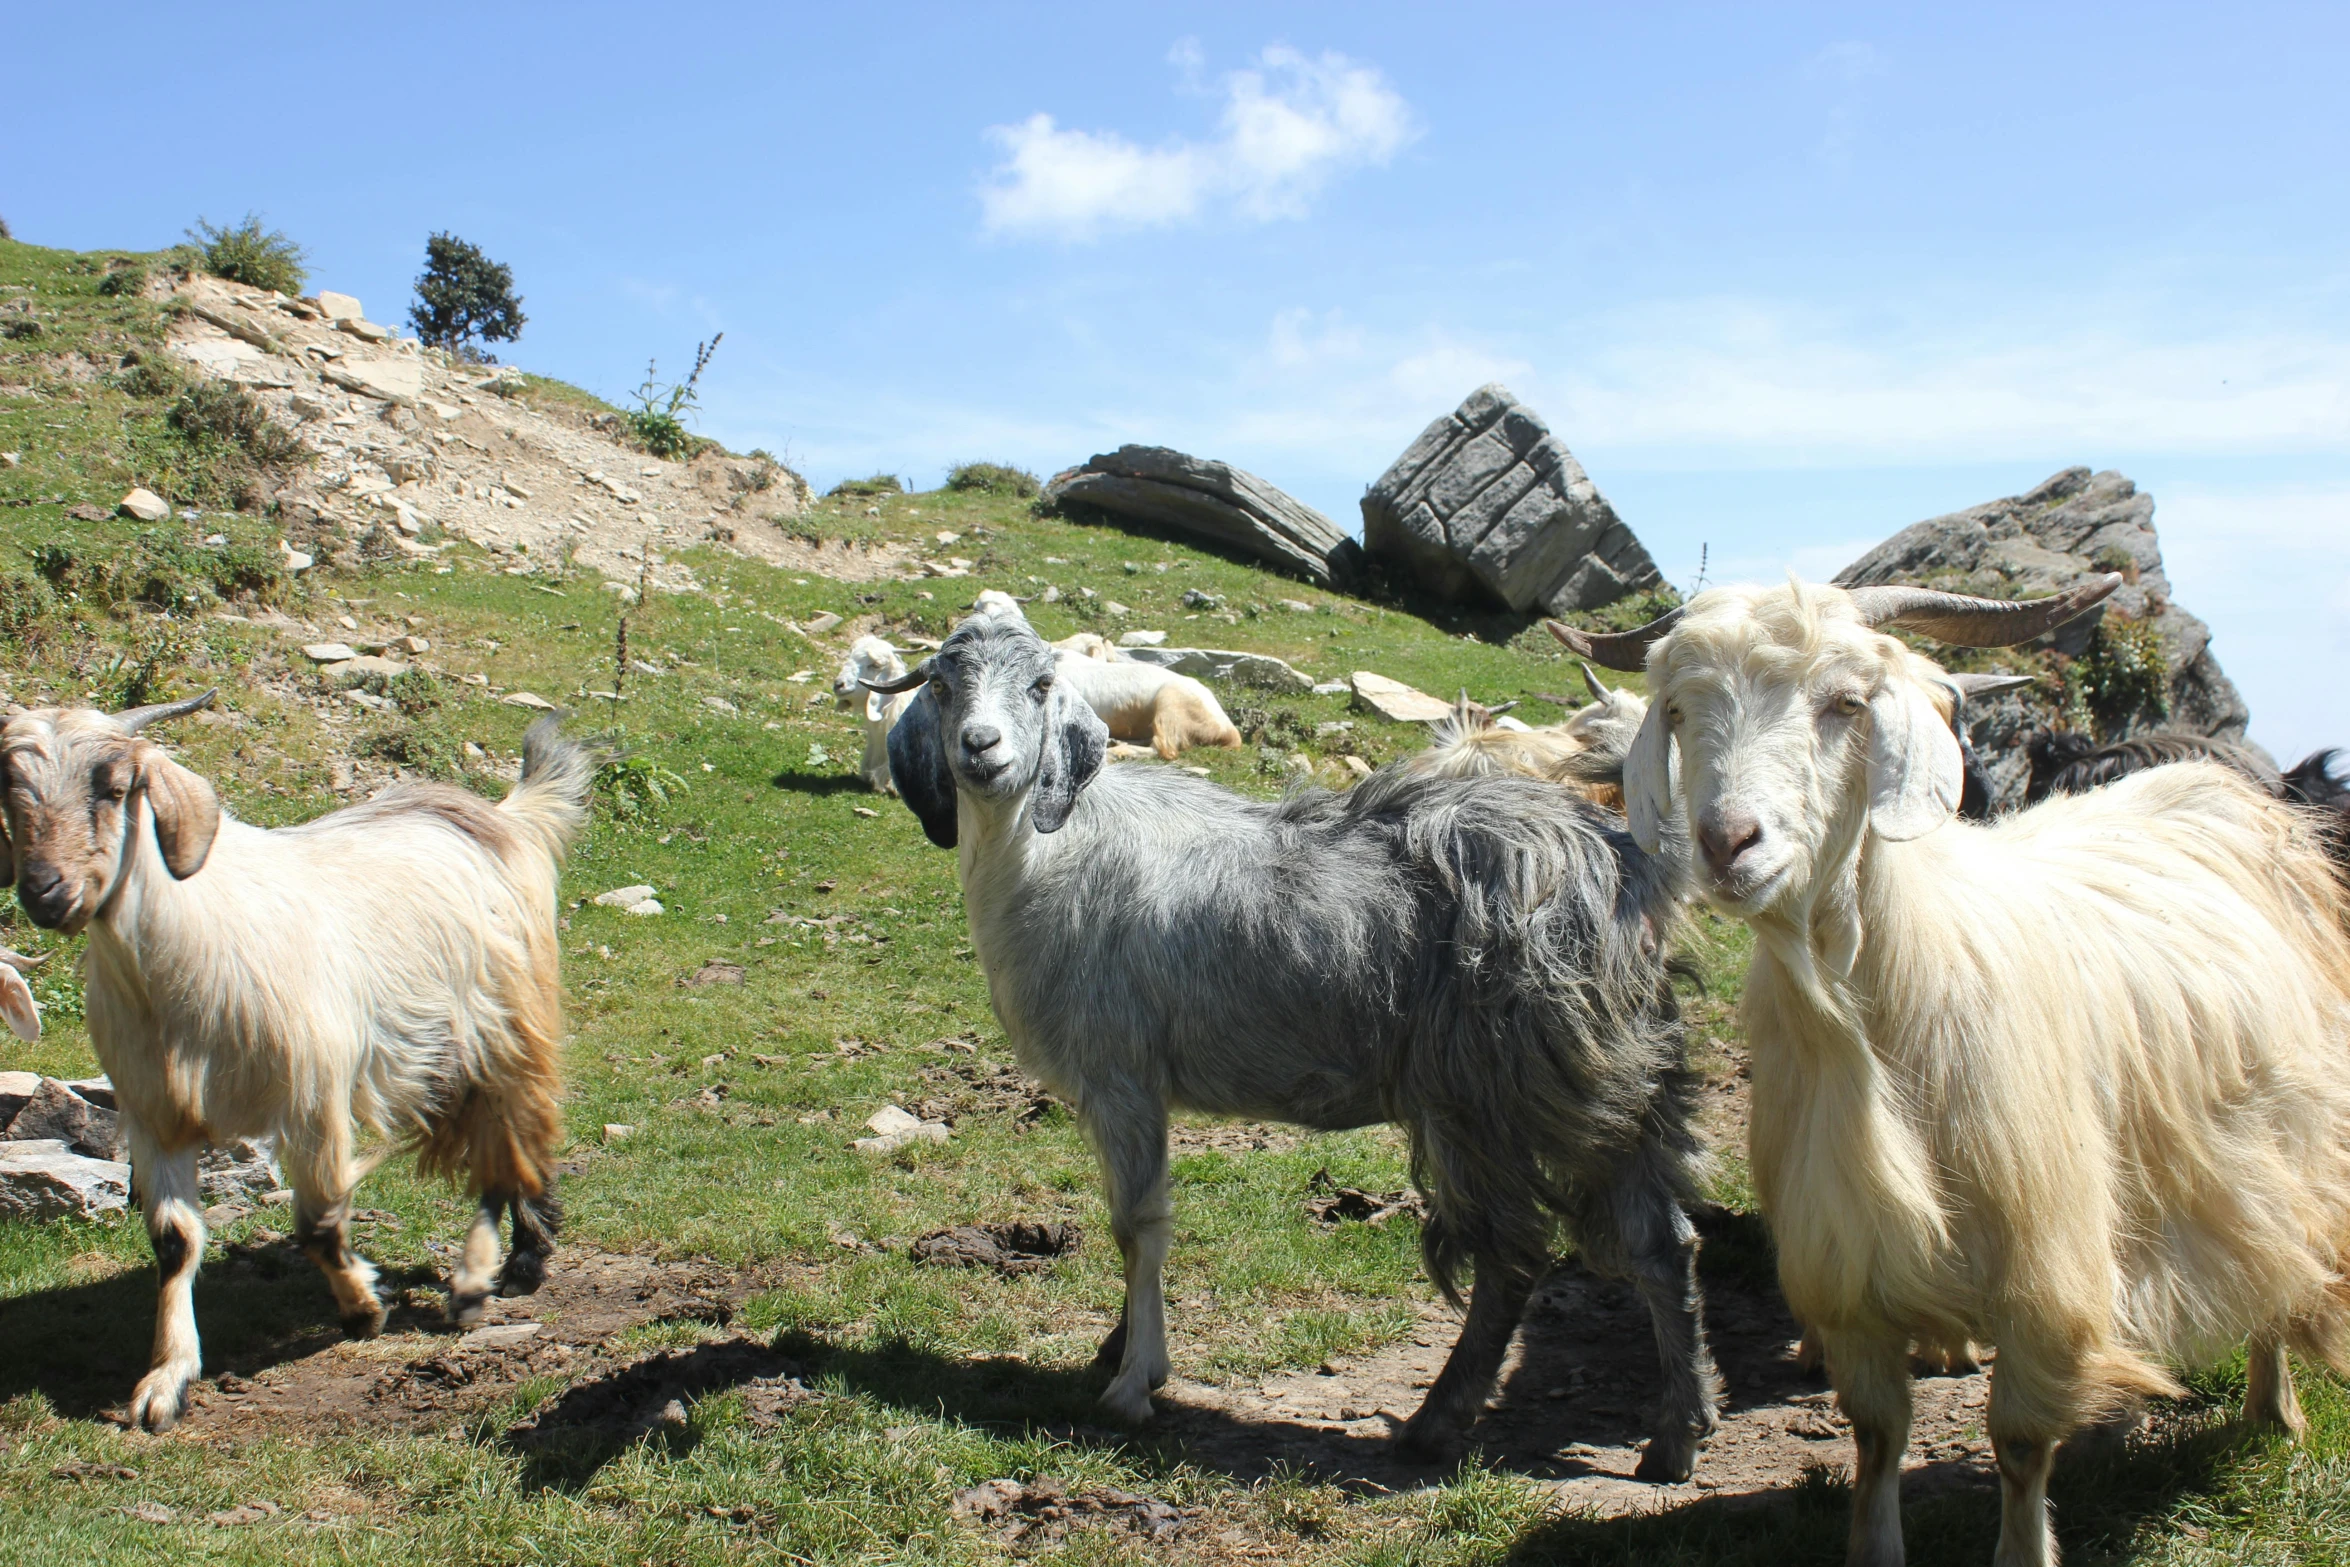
<point>1356,765</point>
<point>1050,595</point>
<point>412,644</point>
<point>295,560</point>
<point>944,537</point>
<point>1295,606</point>
<point>618,1131</point>
<point>644,906</point>
<point>10,460</point>
<point>339,307</point>
<point>622,897</point>
<point>891,1118</point>
<point>474,753</point>
<point>347,623</point>
<point>1112,606</point>
<point>820,624</point>
<point>145,505</point>
<point>1393,699</point>
<point>366,330</point>
<point>719,704</point>
<point>530,699</point>
<point>1142,638</point>
<point>504,1335</point>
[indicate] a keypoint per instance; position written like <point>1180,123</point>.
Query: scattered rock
<point>529,699</point>
<point>366,331</point>
<point>53,1112</point>
<point>1487,503</point>
<point>150,1512</point>
<point>624,897</point>
<point>1393,699</point>
<point>1247,669</point>
<point>86,512</point>
<point>1141,638</point>
<point>1013,1248</point>
<point>1330,1203</point>
<point>237,1169</point>
<point>820,624</point>
<point>339,307</point>
<point>329,652</point>
<point>618,1131</point>
<point>412,645</point>
<point>719,704</point>
<point>893,1129</point>
<point>2073,525</point>
<point>45,1179</point>
<point>145,505</point>
<point>1211,500</point>
<point>389,380</point>
<point>503,1335</point>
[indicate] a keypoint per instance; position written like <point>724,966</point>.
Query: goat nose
<point>1725,834</point>
<point>978,739</point>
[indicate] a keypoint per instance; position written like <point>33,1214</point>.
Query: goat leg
<point>1131,1140</point>
<point>2269,1399</point>
<point>320,1169</point>
<point>1666,1276</point>
<point>175,1228</point>
<point>470,1285</point>
<point>536,1219</point>
<point>1496,1302</point>
<point>1871,1376</point>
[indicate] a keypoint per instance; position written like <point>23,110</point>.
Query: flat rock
<point>2073,525</point>
<point>55,1113</point>
<point>329,652</point>
<point>1246,669</point>
<point>623,897</point>
<point>15,1089</point>
<point>145,505</point>
<point>1142,638</point>
<point>366,331</point>
<point>530,699</point>
<point>1213,501</point>
<point>503,1335</point>
<point>390,380</point>
<point>339,307</point>
<point>1393,699</point>
<point>98,1090</point>
<point>360,667</point>
<point>1488,504</point>
<point>45,1179</point>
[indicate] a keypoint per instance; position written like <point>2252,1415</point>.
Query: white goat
<point>1141,703</point>
<point>2076,1084</point>
<point>872,662</point>
<point>391,965</point>
<point>17,1006</point>
<point>1586,752</point>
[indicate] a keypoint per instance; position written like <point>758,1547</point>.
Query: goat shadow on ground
<point>259,1304</point>
<point>799,782</point>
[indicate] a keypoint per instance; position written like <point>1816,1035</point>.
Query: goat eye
<point>1849,704</point>
<point>1042,689</point>
<point>1672,715</point>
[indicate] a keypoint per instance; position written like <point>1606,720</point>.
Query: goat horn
<point>902,683</point>
<point>20,962</point>
<point>1963,621</point>
<point>134,719</point>
<point>1599,690</point>
<point>1972,686</point>
<point>1615,649</point>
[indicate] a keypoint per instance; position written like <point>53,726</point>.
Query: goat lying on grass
<point>391,965</point>
<point>2076,1083</point>
<point>1586,752</point>
<point>1480,961</point>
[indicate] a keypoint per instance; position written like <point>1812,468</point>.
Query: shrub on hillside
<point>161,568</point>
<point>993,478</point>
<point>876,484</point>
<point>4,234</point>
<point>251,255</point>
<point>464,300</point>
<point>658,420</point>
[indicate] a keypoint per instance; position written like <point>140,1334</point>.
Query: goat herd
<point>2074,1082</point>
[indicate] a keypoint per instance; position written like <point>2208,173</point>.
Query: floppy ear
<point>1916,772</point>
<point>1075,742</point>
<point>17,1006</point>
<point>918,766</point>
<point>186,811</point>
<point>1648,779</point>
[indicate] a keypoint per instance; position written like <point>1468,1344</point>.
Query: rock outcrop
<point>1207,663</point>
<point>2072,525</point>
<point>1213,501</point>
<point>1487,503</point>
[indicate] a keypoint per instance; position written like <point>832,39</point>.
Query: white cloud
<point>1291,123</point>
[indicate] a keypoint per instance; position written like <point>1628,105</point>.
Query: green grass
<point>924,1399</point>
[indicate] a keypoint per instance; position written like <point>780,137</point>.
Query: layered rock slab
<point>1488,503</point>
<point>1210,500</point>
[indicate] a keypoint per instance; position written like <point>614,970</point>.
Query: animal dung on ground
<point>893,1128</point>
<point>1330,1203</point>
<point>716,974</point>
<point>1023,1246</point>
<point>1037,1511</point>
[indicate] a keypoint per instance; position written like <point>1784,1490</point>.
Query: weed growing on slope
<point>250,254</point>
<point>657,423</point>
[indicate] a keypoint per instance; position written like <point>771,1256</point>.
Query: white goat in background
<point>392,965</point>
<point>872,662</point>
<point>1142,704</point>
<point>2076,1083</point>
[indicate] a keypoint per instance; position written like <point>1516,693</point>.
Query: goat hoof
<point>1424,1441</point>
<point>465,1309</point>
<point>159,1401</point>
<point>1128,1404</point>
<point>524,1272</point>
<point>1667,1461</point>
<point>365,1323</point>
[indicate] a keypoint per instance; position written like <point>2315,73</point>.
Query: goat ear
<point>918,766</point>
<point>186,812</point>
<point>17,1007</point>
<point>1648,779</point>
<point>1916,771</point>
<point>1075,743</point>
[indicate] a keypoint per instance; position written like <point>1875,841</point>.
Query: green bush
<point>213,414</point>
<point>993,478</point>
<point>251,255</point>
<point>464,299</point>
<point>2120,678</point>
<point>877,484</point>
<point>657,422</point>
<point>125,278</point>
<point>160,568</point>
<point>149,375</point>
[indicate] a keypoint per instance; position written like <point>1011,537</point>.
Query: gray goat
<point>1478,960</point>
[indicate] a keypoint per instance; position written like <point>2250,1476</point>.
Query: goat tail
<point>557,774</point>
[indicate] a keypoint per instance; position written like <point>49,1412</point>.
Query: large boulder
<point>2072,525</point>
<point>45,1179</point>
<point>1488,504</point>
<point>1211,500</point>
<point>54,1112</point>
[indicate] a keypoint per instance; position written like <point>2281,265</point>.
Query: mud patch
<point>1015,1248</point>
<point>1231,1137</point>
<point>975,1089</point>
<point>1039,1512</point>
<point>630,1400</point>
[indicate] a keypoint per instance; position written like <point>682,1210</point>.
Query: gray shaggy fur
<point>1479,961</point>
<point>2069,763</point>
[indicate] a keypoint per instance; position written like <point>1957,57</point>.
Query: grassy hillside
<point>812,965</point>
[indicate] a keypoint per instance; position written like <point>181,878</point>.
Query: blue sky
<point>1785,278</point>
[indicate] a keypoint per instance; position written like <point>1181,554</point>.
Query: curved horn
<point>1972,622</point>
<point>1973,686</point>
<point>902,683</point>
<point>134,719</point>
<point>1599,690</point>
<point>1615,649</point>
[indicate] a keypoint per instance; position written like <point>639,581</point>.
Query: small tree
<point>464,299</point>
<point>250,254</point>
